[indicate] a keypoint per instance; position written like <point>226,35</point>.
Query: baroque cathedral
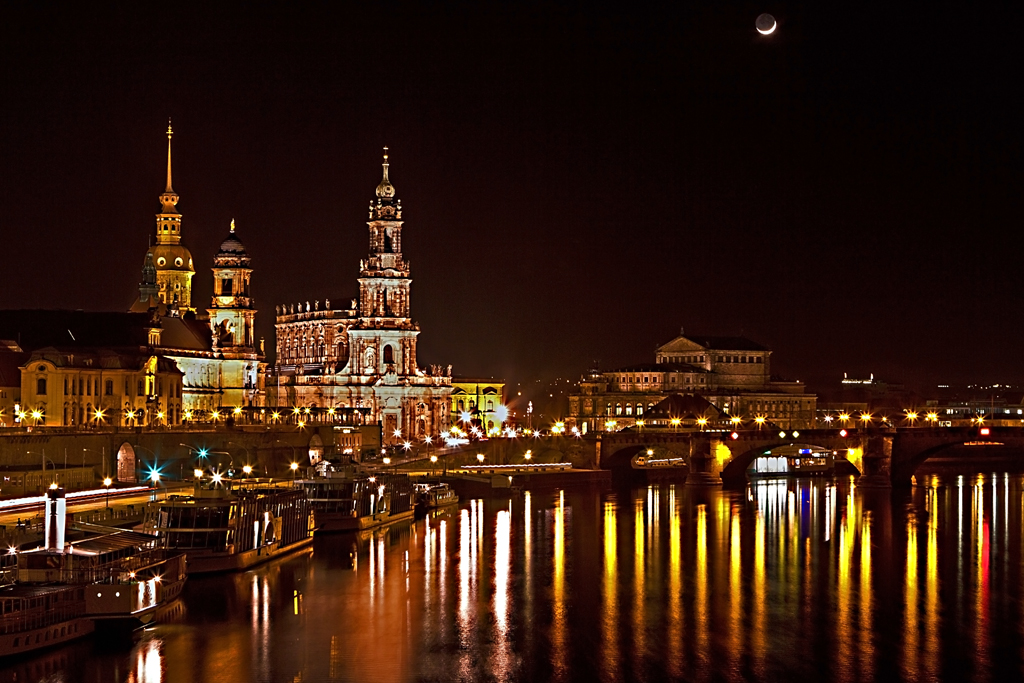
<point>360,360</point>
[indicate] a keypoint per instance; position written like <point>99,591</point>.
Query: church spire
<point>170,132</point>
<point>385,190</point>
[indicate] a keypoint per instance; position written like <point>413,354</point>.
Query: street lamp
<point>703,422</point>
<point>107,482</point>
<point>295,468</point>
<point>247,469</point>
<point>480,457</point>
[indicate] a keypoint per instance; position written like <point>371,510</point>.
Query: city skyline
<point>573,191</point>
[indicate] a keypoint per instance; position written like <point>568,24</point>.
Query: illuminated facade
<point>360,361</point>
<point>217,353</point>
<point>68,387</point>
<point>731,373</point>
<point>478,401</point>
<point>169,259</point>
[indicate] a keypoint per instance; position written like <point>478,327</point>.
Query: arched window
<point>41,385</point>
<point>629,409</point>
<point>389,354</point>
<point>618,409</point>
<point>461,406</point>
<point>639,408</point>
<point>490,406</point>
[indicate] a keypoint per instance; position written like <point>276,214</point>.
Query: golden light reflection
<point>609,595</point>
<point>639,630</point>
<point>502,656</point>
<point>701,600</point>
<point>735,647</point>
<point>465,602</point>
<point>559,656</point>
<point>867,648</point>
<point>675,590</point>
<point>148,663</point>
<point>981,577</point>
<point>910,608</point>
<point>931,595</point>
<point>757,607</point>
<point>843,598</point>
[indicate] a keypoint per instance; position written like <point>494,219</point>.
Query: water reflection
<point>788,580</point>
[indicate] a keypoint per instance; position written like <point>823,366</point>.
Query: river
<point>795,579</point>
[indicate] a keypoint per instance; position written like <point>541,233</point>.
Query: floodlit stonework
<point>359,361</point>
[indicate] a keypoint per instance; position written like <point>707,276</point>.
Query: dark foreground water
<point>790,580</point>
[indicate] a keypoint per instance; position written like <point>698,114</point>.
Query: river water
<point>789,580</point>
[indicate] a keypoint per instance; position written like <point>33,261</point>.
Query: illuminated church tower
<point>172,259</point>
<point>231,313</point>
<point>359,361</point>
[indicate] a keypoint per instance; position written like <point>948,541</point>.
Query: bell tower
<point>232,315</point>
<point>172,259</point>
<point>384,277</point>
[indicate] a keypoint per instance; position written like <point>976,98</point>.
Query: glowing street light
<point>197,473</point>
<point>865,418</point>
<point>702,421</point>
<point>295,468</point>
<point>844,418</point>
<point>480,457</point>
<point>736,419</point>
<point>106,483</point>
<point>932,417</point>
<point>760,420</point>
<point>528,454</point>
<point>247,469</point>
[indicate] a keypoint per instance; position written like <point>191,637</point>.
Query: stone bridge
<point>130,455</point>
<point>883,457</point>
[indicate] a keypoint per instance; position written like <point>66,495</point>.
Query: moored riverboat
<point>233,525</point>
<point>434,496</point>
<point>58,592</point>
<point>344,500</point>
<point>792,461</point>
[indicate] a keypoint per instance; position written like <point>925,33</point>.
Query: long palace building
<point>360,360</point>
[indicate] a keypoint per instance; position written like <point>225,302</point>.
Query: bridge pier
<point>877,462</point>
<point>703,466</point>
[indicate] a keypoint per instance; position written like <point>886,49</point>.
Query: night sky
<point>578,182</point>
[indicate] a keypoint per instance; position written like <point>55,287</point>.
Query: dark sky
<point>578,181</point>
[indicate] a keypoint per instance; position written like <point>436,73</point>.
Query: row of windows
<point>85,387</point>
<point>628,408</point>
<point>686,359</point>
<point>739,359</point>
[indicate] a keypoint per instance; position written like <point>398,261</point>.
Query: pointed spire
<point>232,226</point>
<point>385,190</point>
<point>170,132</point>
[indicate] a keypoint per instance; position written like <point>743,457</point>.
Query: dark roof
<point>35,329</point>
<point>185,333</point>
<point>725,343</point>
<point>681,406</point>
<point>10,362</point>
<point>106,359</point>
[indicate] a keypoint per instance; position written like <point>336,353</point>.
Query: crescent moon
<point>771,30</point>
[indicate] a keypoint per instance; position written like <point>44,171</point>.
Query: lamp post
<point>295,468</point>
<point>106,483</point>
<point>154,477</point>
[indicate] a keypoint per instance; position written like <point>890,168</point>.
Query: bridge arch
<point>126,464</point>
<point>622,458</point>
<point>903,469</point>
<point>735,472</point>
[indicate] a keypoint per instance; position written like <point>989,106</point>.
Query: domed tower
<point>172,259</point>
<point>231,312</point>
